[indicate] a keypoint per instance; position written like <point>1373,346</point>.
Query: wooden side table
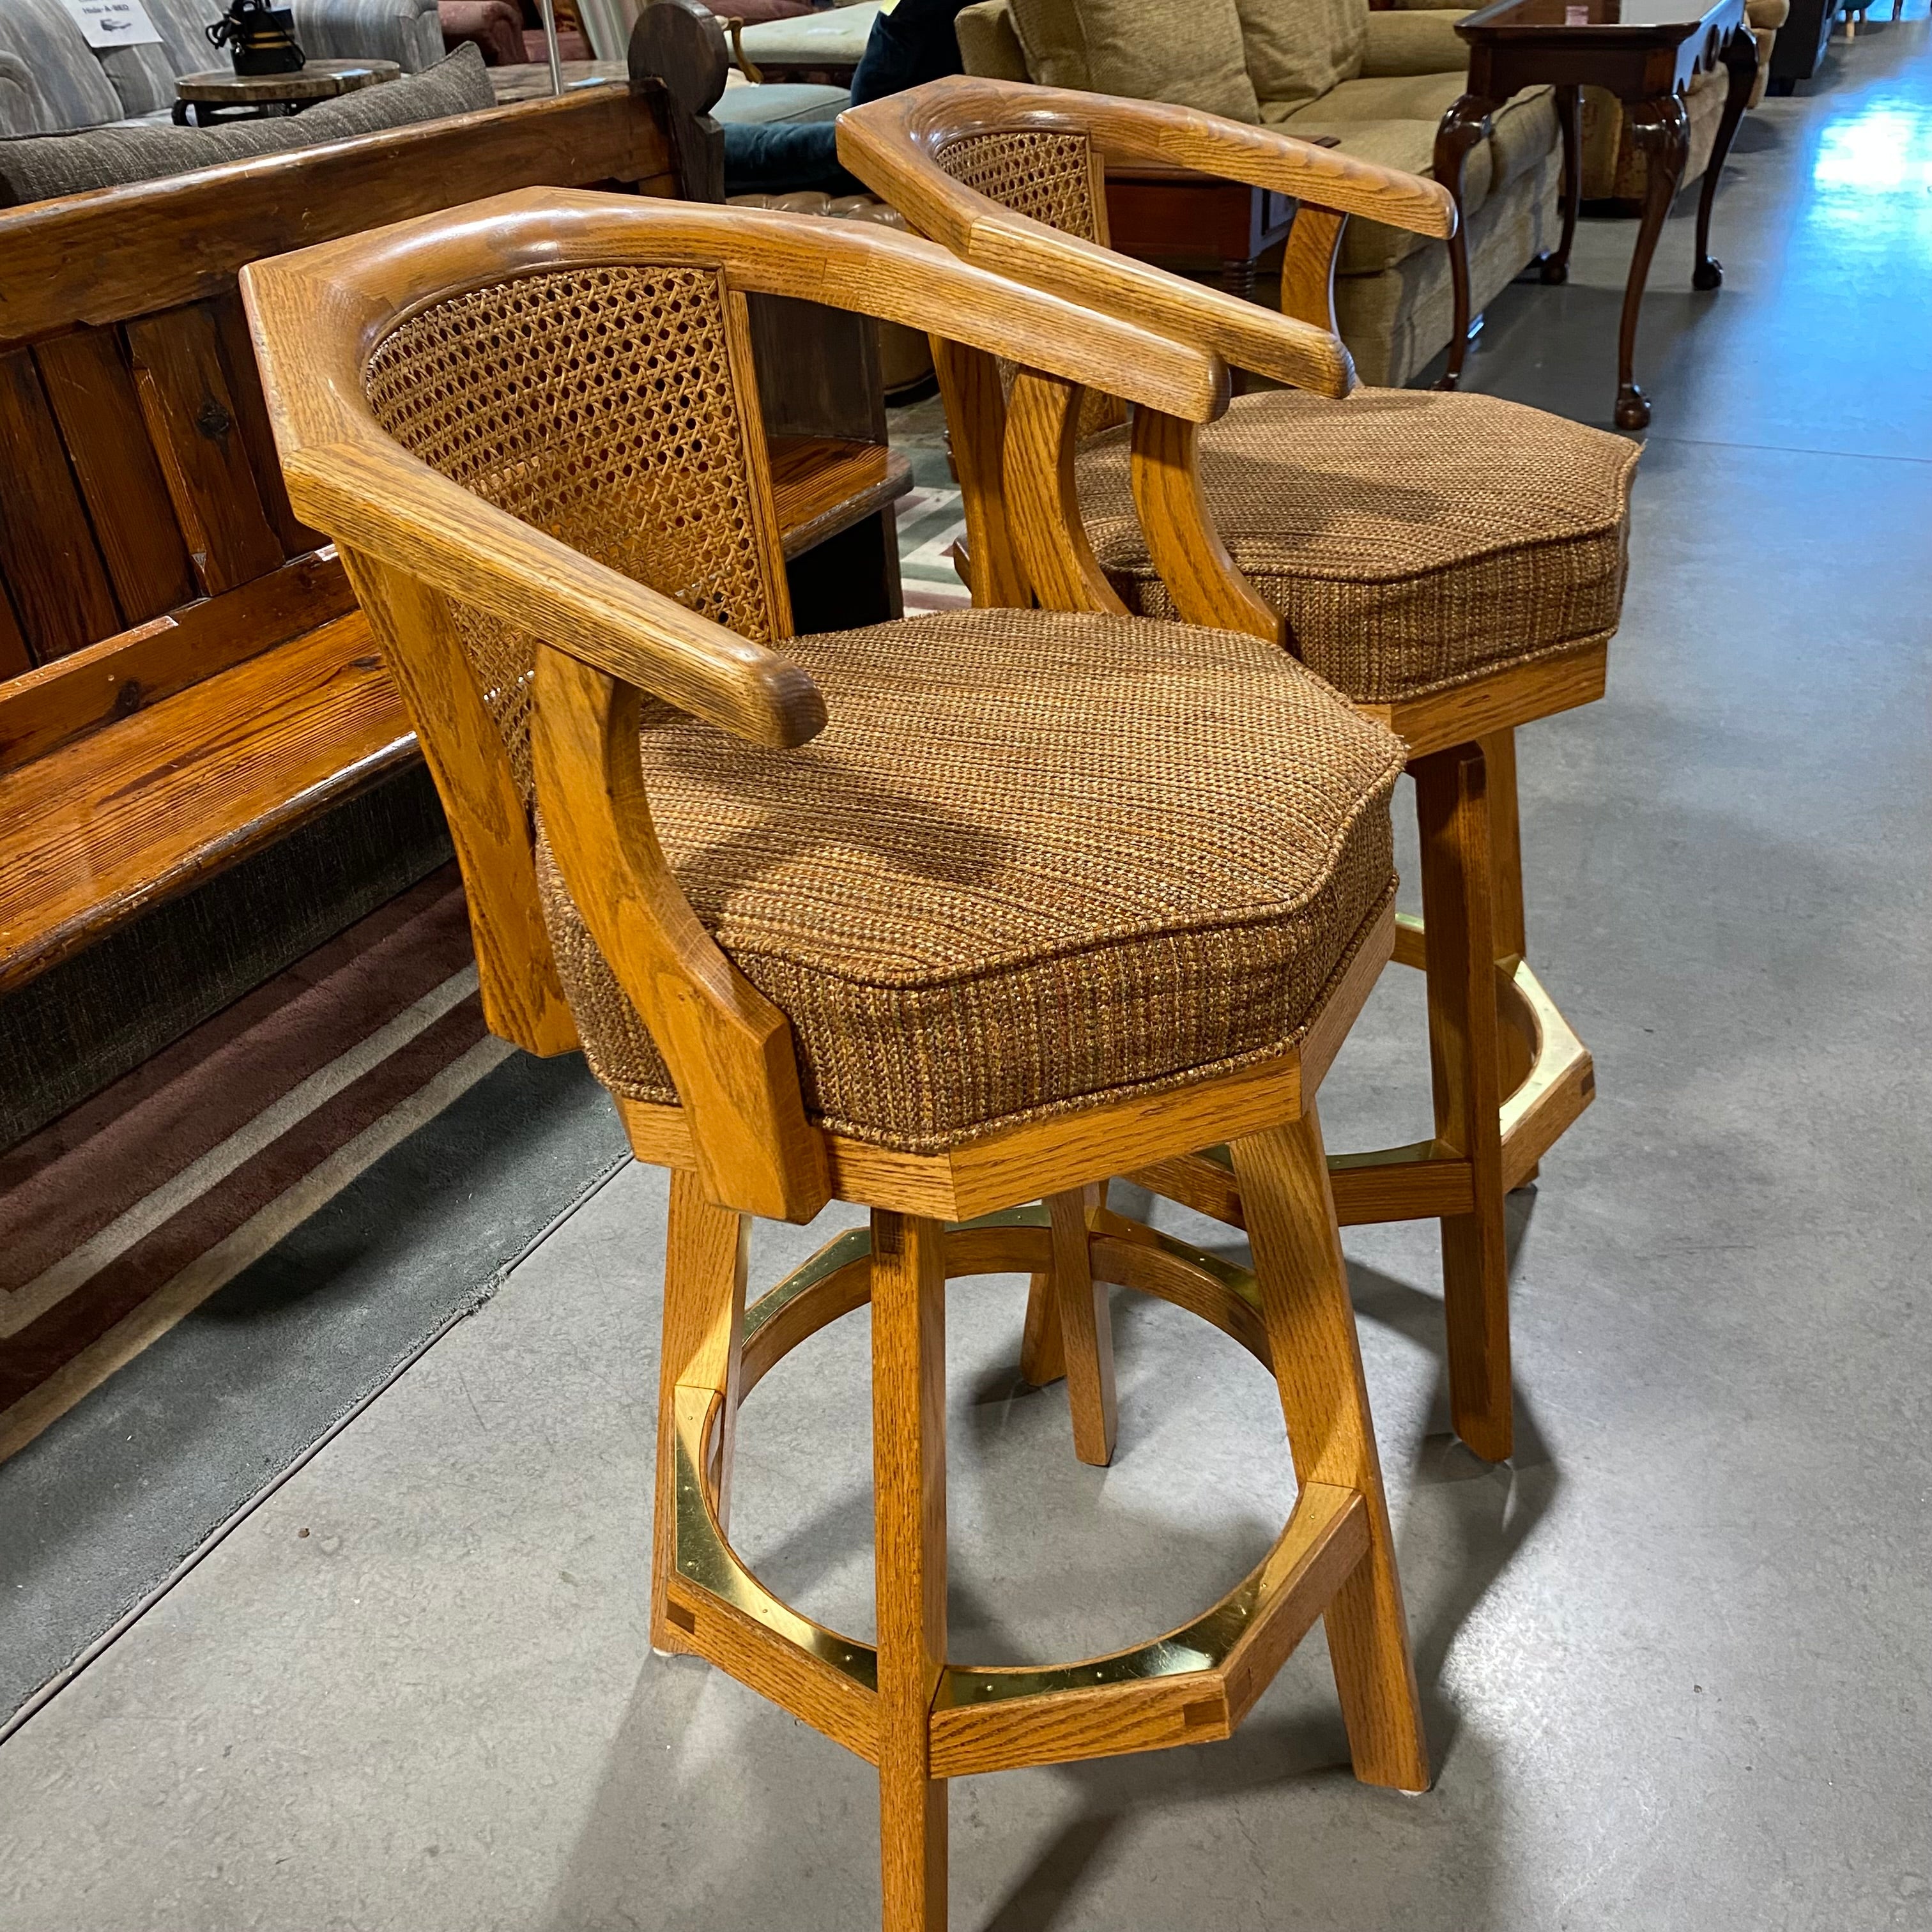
<point>220,94</point>
<point>1178,219</point>
<point>1646,53</point>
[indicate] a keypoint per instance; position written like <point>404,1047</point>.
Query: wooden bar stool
<point>1452,564</point>
<point>949,917</point>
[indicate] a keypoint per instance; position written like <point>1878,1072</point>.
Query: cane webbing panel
<point>1414,539</point>
<point>1035,859</point>
<point>1045,177</point>
<point>597,405</point>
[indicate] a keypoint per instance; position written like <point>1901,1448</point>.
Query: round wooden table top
<point>315,80</point>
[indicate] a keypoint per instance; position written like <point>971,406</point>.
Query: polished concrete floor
<point>1675,1658</point>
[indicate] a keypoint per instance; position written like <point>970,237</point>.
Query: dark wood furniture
<point>1644,52</point>
<point>1188,221</point>
<point>220,94</point>
<point>185,678</point>
<point>1800,48</point>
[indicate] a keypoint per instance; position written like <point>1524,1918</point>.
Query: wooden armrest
<point>375,497</point>
<point>1152,130</point>
<point>875,145</point>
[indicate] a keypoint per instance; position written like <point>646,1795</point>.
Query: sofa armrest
<point>1422,40</point>
<point>989,45</point>
<point>407,31</point>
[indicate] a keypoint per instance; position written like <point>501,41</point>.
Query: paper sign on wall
<point>114,23</point>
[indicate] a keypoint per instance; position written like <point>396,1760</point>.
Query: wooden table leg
<point>1660,128</point>
<point>1569,122</point>
<point>1462,126</point>
<point>1740,57</point>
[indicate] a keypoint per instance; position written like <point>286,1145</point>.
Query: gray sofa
<point>52,81</point>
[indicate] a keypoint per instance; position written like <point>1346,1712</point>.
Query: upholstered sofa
<point>52,81</point>
<point>1378,83</point>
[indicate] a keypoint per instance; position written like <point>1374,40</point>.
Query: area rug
<point>211,1263</point>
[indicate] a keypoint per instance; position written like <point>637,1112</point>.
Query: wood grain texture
<point>1086,1327</point>
<point>976,417</point>
<point>705,1265</point>
<point>13,658</point>
<point>88,689</point>
<point>1318,1364</point>
<point>92,391</point>
<point>1042,446</point>
<point>1518,695</point>
<point>1452,815</point>
<point>191,416</point>
<point>730,1051</point>
<point>92,833</point>
<point>52,570</point>
<point>522,998</point>
<point>1165,470</point>
<point>155,245</point>
<point>1043,1353</point>
<point>251,419</point>
<point>821,485</point>
<point>1506,890</point>
<point>909,1505</point>
<point>1308,264</point>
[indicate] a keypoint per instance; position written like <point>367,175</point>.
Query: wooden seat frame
<point>1508,1075</point>
<point>741,1143</point>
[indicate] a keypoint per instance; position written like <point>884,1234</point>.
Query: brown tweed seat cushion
<point>1034,859</point>
<point>1413,539</point>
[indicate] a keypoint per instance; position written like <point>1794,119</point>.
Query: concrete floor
<point>1675,1658</point>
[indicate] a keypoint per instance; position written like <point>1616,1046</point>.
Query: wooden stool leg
<point>1086,1327</point>
<point>704,1326</point>
<point>1042,1356</point>
<point>1452,809</point>
<point>1318,1367</point>
<point>1516,1054</point>
<point>909,1485</point>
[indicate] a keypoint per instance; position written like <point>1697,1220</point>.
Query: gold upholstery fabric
<point>1034,860</point>
<point>1413,539</point>
<point>1146,49</point>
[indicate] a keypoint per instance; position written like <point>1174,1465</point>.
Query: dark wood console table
<point>1645,52</point>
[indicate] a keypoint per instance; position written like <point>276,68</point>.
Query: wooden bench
<point>184,677</point>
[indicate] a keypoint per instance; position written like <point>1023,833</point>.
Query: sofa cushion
<point>1417,42</point>
<point>777,102</point>
<point>144,77</point>
<point>988,44</point>
<point>1298,50</point>
<point>63,86</point>
<point>1413,539</point>
<point>1392,122</point>
<point>494,27</point>
<point>1145,50</point>
<point>37,168</point>
<point>1126,855</point>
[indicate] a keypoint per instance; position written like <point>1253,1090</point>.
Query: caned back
<point>1048,177</point>
<point>1051,178</point>
<point>613,408</point>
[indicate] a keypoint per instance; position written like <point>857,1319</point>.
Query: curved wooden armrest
<point>377,498</point>
<point>873,144</point>
<point>928,116</point>
<point>857,266</point>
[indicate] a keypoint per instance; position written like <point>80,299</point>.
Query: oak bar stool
<point>1453,564</point>
<point>946,916</point>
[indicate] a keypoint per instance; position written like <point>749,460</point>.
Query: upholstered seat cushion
<point>1413,539</point>
<point>1034,859</point>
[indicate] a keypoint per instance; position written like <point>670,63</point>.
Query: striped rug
<point>127,1213</point>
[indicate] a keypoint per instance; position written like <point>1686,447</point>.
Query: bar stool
<point>1453,564</point>
<point>946,917</point>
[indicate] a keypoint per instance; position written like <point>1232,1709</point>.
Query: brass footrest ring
<point>1188,1685</point>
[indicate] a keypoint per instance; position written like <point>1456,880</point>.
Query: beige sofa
<point>1379,82</point>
